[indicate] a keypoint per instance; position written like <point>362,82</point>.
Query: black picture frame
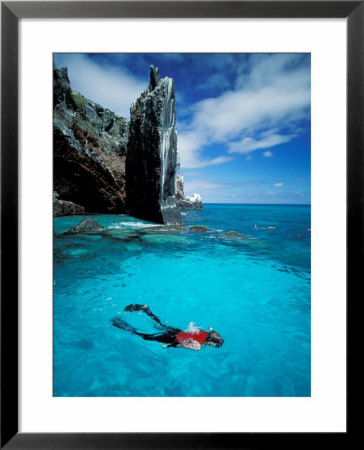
<point>11,12</point>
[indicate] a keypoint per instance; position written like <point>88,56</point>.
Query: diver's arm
<point>174,344</point>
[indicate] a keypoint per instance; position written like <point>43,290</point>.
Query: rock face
<point>151,161</point>
<point>89,145</point>
<point>185,201</point>
<point>65,208</point>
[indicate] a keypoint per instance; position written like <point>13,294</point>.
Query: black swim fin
<point>119,323</point>
<point>135,307</point>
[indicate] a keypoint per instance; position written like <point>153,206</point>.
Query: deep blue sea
<point>254,290</point>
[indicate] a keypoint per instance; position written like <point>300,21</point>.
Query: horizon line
<point>265,204</point>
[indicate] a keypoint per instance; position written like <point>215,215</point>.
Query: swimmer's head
<point>214,338</point>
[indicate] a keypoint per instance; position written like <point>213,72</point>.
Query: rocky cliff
<point>185,201</point>
<point>89,145</point>
<point>151,161</point>
<point>103,164</point>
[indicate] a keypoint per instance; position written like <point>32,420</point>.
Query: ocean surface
<point>253,289</point>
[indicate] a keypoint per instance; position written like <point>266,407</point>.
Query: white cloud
<point>233,112</point>
<point>267,154</point>
<point>192,158</point>
<point>265,110</point>
<point>111,86</point>
<point>278,185</point>
<point>250,144</point>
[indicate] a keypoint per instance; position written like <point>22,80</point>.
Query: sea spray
<point>192,328</point>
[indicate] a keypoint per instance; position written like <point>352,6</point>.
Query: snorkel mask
<point>214,338</point>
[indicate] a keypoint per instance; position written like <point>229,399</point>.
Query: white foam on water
<point>122,225</point>
<point>115,227</point>
<point>192,328</point>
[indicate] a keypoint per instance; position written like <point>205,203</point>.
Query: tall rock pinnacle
<point>152,161</point>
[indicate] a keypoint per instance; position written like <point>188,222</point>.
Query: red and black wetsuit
<point>200,336</point>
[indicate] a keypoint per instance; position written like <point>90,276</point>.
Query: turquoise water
<point>255,291</point>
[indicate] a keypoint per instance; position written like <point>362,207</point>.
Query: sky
<point>243,120</point>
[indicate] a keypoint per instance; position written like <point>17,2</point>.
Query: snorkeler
<point>174,337</point>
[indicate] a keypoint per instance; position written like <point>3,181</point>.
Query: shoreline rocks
<point>185,201</point>
<point>87,225</point>
<point>65,208</point>
<point>232,233</point>
<point>198,228</point>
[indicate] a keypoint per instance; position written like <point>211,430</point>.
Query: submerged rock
<point>167,229</point>
<point>122,234</point>
<point>198,228</point>
<point>163,239</point>
<point>151,161</point>
<point>89,147</point>
<point>87,225</point>
<point>232,233</point>
<point>235,236</point>
<point>185,201</point>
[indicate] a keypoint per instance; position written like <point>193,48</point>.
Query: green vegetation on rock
<point>79,99</point>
